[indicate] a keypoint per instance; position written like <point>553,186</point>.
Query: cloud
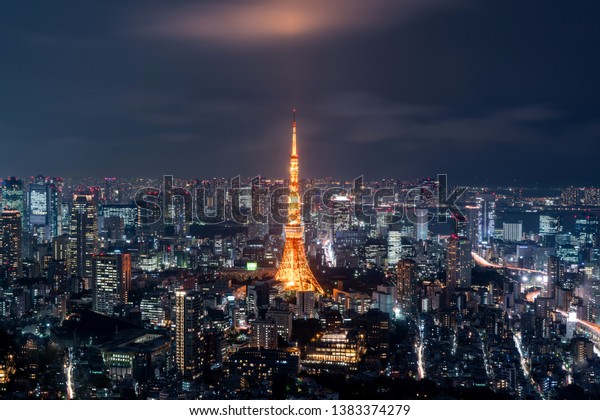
<point>259,21</point>
<point>361,117</point>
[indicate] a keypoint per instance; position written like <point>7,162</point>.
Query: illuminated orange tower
<point>293,270</point>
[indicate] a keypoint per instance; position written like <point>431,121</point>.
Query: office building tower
<point>83,235</point>
<point>394,247</point>
<point>60,248</point>
<point>283,321</point>
<point>10,244</point>
<point>305,304</point>
<point>471,213</point>
<point>549,225</point>
<point>257,297</point>
<point>458,262</point>
<point>264,334</point>
<point>341,214</point>
<point>111,281</point>
<point>406,281</point>
<point>383,301</point>
<point>586,230</point>
<point>376,326</point>
<point>422,224</point>
<point>513,232</point>
<point>487,215</point>
<point>13,197</point>
<point>128,213</point>
<point>153,310</point>
<point>189,314</point>
<point>555,275</point>
<point>44,208</point>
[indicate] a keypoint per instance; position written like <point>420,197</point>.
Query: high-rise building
<point>257,297</point>
<point>406,275</point>
<point>458,262</point>
<point>60,248</point>
<point>549,225</point>
<point>394,247</point>
<point>264,334</point>
<point>422,229</point>
<point>586,229</point>
<point>44,208</point>
<point>283,320</point>
<point>13,197</point>
<point>305,304</point>
<point>472,228</point>
<point>189,312</point>
<point>153,310</point>
<point>126,212</point>
<point>376,325</point>
<point>555,274</point>
<point>383,301</point>
<point>111,281</point>
<point>84,235</point>
<point>513,232</point>
<point>341,213</point>
<point>10,244</point>
<point>487,215</point>
<point>293,270</point>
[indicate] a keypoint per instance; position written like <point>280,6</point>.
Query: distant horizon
<point>159,178</point>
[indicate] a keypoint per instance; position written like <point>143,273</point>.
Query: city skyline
<point>409,90</point>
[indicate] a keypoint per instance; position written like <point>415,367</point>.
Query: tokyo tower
<point>293,270</point>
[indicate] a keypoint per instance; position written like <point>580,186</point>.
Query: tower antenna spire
<point>294,132</point>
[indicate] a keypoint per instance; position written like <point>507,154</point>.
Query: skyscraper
<point>458,263</point>
<point>513,232</point>
<point>10,244</point>
<point>305,304</point>
<point>13,197</point>
<point>293,270</point>
<point>487,215</point>
<point>44,208</point>
<point>84,235</point>
<point>111,281</point>
<point>422,230</point>
<point>188,333</point>
<point>555,276</point>
<point>394,247</point>
<point>264,334</point>
<point>406,275</point>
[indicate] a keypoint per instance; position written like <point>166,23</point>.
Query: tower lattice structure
<point>293,270</point>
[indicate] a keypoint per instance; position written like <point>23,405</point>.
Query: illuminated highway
<point>590,327</point>
<point>531,296</point>
<point>420,367</point>
<point>479,260</point>
<point>69,372</point>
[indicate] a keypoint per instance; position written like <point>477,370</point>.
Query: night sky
<point>489,92</point>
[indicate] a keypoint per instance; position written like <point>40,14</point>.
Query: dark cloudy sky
<point>486,91</point>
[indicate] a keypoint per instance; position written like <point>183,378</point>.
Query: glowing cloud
<point>274,20</point>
